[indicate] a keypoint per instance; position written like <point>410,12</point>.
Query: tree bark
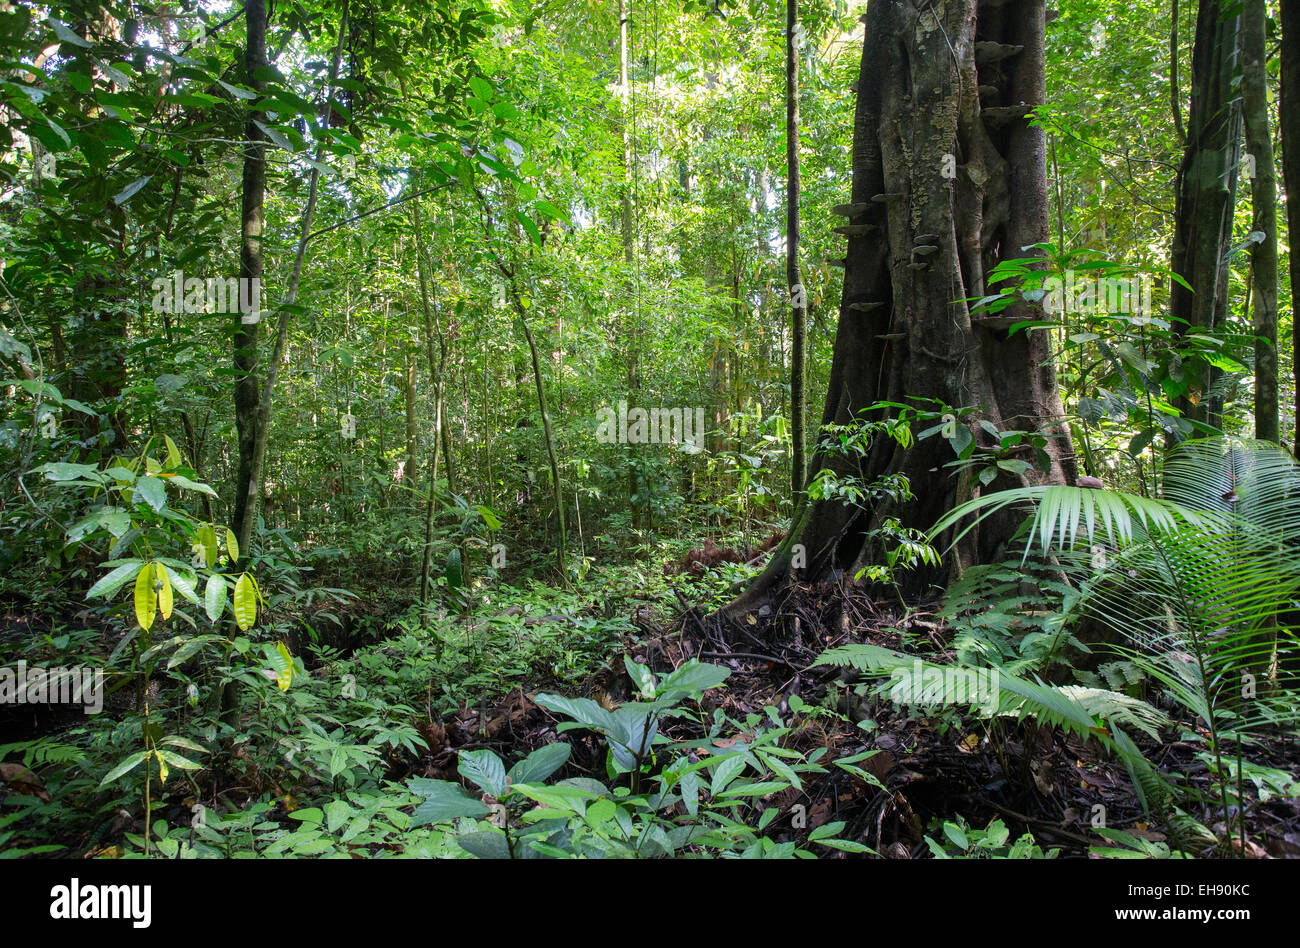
<point>798,296</point>
<point>1263,199</point>
<point>922,245</point>
<point>435,365</point>
<point>246,514</point>
<point>1289,113</point>
<point>1206,186</point>
<point>628,239</point>
<point>409,469</point>
<point>252,202</point>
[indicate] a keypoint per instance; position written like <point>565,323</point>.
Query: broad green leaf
<point>540,764</point>
<point>176,760</point>
<point>151,491</point>
<point>245,602</point>
<point>183,584</point>
<point>66,35</point>
<point>130,191</point>
<point>146,598</point>
<point>485,844</point>
<point>115,580</point>
<point>128,764</point>
<point>337,813</point>
<point>69,472</point>
<point>185,744</point>
<point>214,597</point>
<point>442,801</point>
<point>484,768</point>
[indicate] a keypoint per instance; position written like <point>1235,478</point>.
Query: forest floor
<point>927,767</point>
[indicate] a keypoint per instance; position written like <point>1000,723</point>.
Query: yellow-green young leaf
<point>146,599</point>
<point>232,545</point>
<point>173,453</point>
<point>164,591</point>
<point>245,602</point>
<point>208,540</point>
<point>162,766</point>
<point>285,677</point>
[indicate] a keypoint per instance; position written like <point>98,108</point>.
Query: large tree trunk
<point>1206,185</point>
<point>1289,119</point>
<point>904,331</point>
<point>1263,200</point>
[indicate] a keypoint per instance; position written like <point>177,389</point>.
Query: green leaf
<point>184,744</point>
<point>540,764</point>
<point>641,677</point>
<point>239,92</point>
<point>549,209</point>
<point>115,580</point>
<point>151,491</point>
<point>527,224</point>
<point>454,573</point>
<point>131,190</point>
<point>728,770</point>
<point>187,651</point>
<point>245,602</point>
<point>954,833</point>
<point>825,830</point>
<point>176,760</point>
<point>691,679</point>
<point>70,472</point>
<point>214,597</point>
<point>484,768</point>
<point>275,136</point>
<point>146,598</point>
<point>180,480</point>
<point>65,34</point>
<point>485,844</point>
<point>337,813</point>
<point>128,764</point>
<point>183,584</point>
<point>442,801</point>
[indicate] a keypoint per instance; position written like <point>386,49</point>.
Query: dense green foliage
<point>482,246</point>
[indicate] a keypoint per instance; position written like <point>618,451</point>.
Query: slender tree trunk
<point>1289,114</point>
<point>409,475</point>
<point>435,365</point>
<point>1174,99</point>
<point>262,427</point>
<point>1263,199</point>
<point>629,240</point>
<point>920,243</point>
<point>798,296</point>
<point>252,201</point>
